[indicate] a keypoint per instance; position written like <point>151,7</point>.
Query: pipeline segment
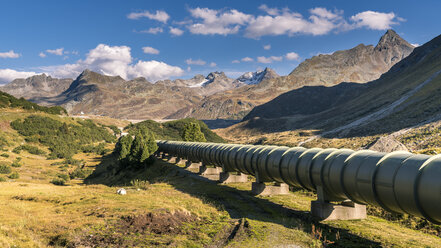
<point>399,182</point>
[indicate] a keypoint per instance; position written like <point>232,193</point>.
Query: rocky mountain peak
<point>251,78</point>
<point>392,39</point>
<point>216,74</point>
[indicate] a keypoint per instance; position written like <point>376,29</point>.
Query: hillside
<point>399,102</point>
<point>360,64</point>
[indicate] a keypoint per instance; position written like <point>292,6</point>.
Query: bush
<point>65,177</point>
<point>58,181</point>
<point>2,179</point>
<point>31,149</point>
<point>139,184</point>
<point>16,164</point>
<point>64,140</point>
<point>5,169</point>
<point>5,155</point>
<point>14,175</point>
<point>78,173</point>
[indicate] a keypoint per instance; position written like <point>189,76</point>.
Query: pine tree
<point>192,132</point>
<point>123,146</point>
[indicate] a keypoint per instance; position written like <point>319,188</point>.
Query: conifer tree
<point>192,132</point>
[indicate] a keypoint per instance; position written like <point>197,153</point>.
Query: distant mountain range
<point>208,97</point>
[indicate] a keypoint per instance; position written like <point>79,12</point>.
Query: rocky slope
<point>252,78</point>
<point>360,64</point>
<point>36,86</point>
<point>406,96</point>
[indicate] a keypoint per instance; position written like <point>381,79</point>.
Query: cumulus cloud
<point>285,22</point>
<point>235,61</point>
<point>375,20</point>
<point>150,50</point>
<point>195,62</point>
<point>269,11</point>
<point>7,75</point>
<point>159,15</point>
<point>267,47</point>
<point>42,55</point>
<point>176,31</point>
<point>278,21</point>
<point>247,59</point>
<point>212,64</point>
<point>113,61</point>
<point>9,55</point>
<point>268,60</point>
<point>58,51</point>
<point>217,21</point>
<point>152,30</point>
<point>292,56</point>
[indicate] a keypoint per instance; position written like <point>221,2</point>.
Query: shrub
<point>58,181</point>
<point>17,149</point>
<point>2,179</point>
<point>5,155</point>
<point>31,149</point>
<point>78,173</point>
<point>5,169</point>
<point>14,175</point>
<point>16,164</point>
<point>65,177</point>
<point>139,184</point>
<point>64,140</point>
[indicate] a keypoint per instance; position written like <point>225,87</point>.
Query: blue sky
<point>178,39</point>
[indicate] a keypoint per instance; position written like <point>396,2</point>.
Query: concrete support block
<point>267,190</point>
<point>190,165</point>
<point>173,160</point>
<point>344,211</point>
<point>228,177</point>
<point>204,170</point>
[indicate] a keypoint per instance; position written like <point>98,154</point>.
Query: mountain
<point>409,94</point>
<point>251,78</point>
<point>360,64</point>
<point>93,93</point>
<point>36,86</point>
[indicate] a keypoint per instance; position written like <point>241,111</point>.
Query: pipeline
<point>399,182</point>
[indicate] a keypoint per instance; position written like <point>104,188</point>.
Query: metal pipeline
<point>399,182</point>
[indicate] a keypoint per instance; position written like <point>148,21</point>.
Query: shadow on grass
<point>238,203</point>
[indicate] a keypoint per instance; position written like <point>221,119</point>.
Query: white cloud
<point>268,60</point>
<point>176,31</point>
<point>292,56</point>
<point>247,59</point>
<point>235,61</point>
<point>113,61</point>
<point>152,30</point>
<point>375,20</point>
<point>267,47</point>
<point>195,62</point>
<point>415,44</point>
<point>269,11</point>
<point>159,15</point>
<point>217,21</point>
<point>9,55</point>
<point>285,22</point>
<point>7,75</point>
<point>58,51</point>
<point>42,55</point>
<point>74,52</point>
<point>150,50</point>
<point>212,64</point>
